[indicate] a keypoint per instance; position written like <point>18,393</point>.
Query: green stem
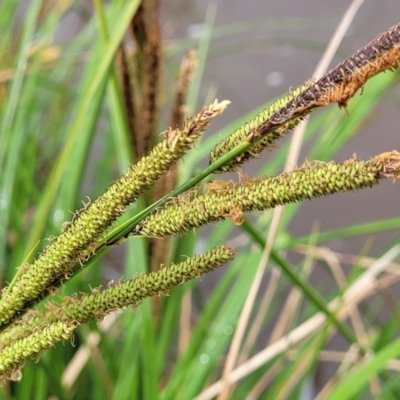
<point>120,233</point>
<point>305,287</point>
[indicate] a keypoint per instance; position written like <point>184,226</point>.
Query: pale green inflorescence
<point>249,131</point>
<point>22,328</point>
<point>132,292</point>
<point>65,252</point>
<point>14,356</point>
<point>124,294</point>
<point>316,179</point>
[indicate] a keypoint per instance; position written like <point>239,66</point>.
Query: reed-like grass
<point>59,101</point>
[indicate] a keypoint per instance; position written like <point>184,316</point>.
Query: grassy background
<point>63,136</point>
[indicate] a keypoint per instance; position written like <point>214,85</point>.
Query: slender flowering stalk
<point>186,73</point>
<point>130,293</point>
<point>219,201</point>
<point>337,86</point>
<point>15,355</point>
<point>67,250</point>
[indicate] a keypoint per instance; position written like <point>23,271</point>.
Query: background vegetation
<point>65,133</point>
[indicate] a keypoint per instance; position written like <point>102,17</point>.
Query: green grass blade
<point>12,139</point>
<point>308,291</point>
<point>354,382</point>
<point>366,228</point>
<point>94,86</point>
<point>19,74</point>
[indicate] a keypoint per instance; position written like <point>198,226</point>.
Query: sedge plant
<point>31,323</point>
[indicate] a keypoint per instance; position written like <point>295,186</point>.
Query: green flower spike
<point>133,291</point>
<point>14,356</point>
<point>130,293</point>
<point>338,85</point>
<point>221,200</point>
<point>23,328</point>
<point>68,249</point>
<point>267,142</point>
